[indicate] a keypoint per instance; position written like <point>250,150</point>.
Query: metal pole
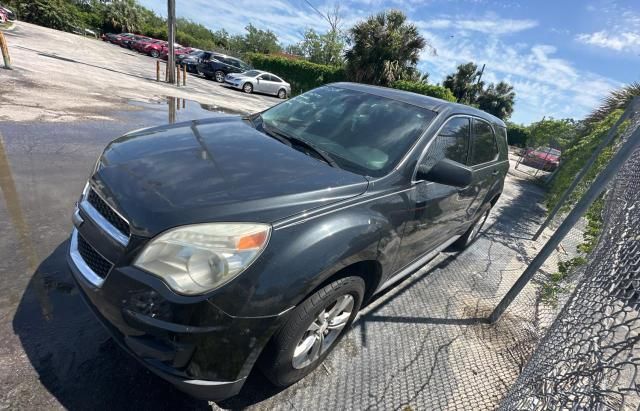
<point>580,208</point>
<point>633,104</point>
<point>171,57</point>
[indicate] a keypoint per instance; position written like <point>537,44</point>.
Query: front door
<point>438,210</point>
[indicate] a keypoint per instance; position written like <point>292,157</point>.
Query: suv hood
<point>220,169</point>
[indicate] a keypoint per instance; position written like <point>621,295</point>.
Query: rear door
<point>439,210</point>
<point>483,158</point>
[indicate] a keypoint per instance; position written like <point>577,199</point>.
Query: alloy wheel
<point>323,331</point>
<point>219,76</point>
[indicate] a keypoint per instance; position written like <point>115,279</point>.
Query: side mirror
<point>446,172</point>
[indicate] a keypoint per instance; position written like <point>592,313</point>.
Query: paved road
<point>59,76</point>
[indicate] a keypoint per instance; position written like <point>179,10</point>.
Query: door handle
<point>495,172</point>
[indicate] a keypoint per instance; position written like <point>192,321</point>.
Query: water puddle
<point>174,109</point>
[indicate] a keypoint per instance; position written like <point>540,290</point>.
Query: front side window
<point>362,132</point>
<point>484,147</point>
<point>452,142</point>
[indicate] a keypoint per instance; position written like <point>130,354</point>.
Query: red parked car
<point>543,158</point>
<point>154,49</point>
<point>140,45</point>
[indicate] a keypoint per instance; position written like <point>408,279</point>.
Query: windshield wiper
<point>290,141</point>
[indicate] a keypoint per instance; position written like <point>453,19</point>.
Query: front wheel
<point>154,53</point>
<point>472,233</point>
<point>312,330</point>
<point>219,76</point>
<point>247,88</point>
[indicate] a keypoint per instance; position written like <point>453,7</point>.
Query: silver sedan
<point>259,81</point>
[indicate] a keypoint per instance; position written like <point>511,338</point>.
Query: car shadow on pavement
<point>76,360</point>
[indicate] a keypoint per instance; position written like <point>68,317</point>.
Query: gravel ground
<point>418,345</point>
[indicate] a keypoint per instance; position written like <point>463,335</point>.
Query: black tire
<point>277,360</point>
<point>472,233</point>
<point>282,93</point>
<point>247,88</point>
<point>219,74</point>
<point>154,54</point>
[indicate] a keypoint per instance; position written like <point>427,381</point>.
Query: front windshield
<point>362,132</point>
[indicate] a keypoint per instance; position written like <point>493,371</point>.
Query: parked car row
<point>146,45</point>
<point>227,70</point>
<point>6,14</point>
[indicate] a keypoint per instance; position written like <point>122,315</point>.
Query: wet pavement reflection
<point>53,352</point>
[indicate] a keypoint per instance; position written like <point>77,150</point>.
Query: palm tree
<point>385,48</point>
<point>497,100</point>
<point>464,83</point>
<point>618,99</point>
<point>124,15</point>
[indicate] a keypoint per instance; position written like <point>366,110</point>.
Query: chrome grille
<point>108,213</point>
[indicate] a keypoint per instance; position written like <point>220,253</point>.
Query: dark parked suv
<point>210,247</point>
<point>217,66</point>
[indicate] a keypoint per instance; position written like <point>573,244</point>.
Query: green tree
<point>256,41</point>
<point>464,83</point>
<point>497,100</point>
<point>124,15</point>
<point>559,134</point>
<point>56,14</point>
<point>320,48</point>
<point>384,48</point>
<point>468,88</point>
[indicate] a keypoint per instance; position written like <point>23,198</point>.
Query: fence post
<point>157,70</point>
<point>178,75</point>
<point>594,156</point>
<point>5,51</point>
<point>184,75</point>
<point>596,188</point>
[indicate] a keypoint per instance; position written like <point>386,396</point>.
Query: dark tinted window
<point>484,147</point>
<point>274,78</point>
<point>364,133</point>
<point>452,142</point>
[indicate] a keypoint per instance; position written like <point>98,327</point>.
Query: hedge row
<point>301,74</point>
<point>431,90</point>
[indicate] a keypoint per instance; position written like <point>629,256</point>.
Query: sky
<point>561,56</point>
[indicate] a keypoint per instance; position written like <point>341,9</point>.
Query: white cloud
<point>618,41</point>
<point>489,25</point>
<point>544,84</point>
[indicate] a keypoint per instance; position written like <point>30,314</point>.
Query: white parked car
<point>259,81</point>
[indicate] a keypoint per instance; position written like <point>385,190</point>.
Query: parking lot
<point>418,345</point>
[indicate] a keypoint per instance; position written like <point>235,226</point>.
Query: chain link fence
<point>590,356</point>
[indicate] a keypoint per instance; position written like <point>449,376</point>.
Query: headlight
<point>199,258</point>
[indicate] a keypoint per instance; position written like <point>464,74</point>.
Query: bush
<point>301,74</point>
<point>430,90</point>
<point>517,135</point>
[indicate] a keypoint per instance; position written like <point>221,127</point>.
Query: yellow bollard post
<point>5,51</point>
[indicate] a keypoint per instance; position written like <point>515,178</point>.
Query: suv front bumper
<point>187,341</point>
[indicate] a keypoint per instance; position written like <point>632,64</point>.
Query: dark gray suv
<point>210,247</point>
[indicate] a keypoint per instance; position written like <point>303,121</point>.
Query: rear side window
<point>452,142</point>
<point>484,148</point>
